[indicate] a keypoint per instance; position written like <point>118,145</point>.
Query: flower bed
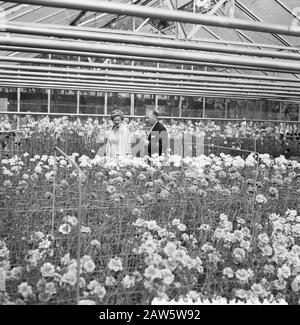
<point>206,227</point>
<point>82,136</point>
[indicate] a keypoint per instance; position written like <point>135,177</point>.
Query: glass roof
<point>281,12</point>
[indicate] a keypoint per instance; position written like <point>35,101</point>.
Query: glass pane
<point>215,108</point>
<point>192,107</point>
<point>33,100</point>
<point>118,101</point>
<point>293,112</point>
<point>91,102</point>
<point>142,102</point>
<point>168,105</point>
<point>8,100</point>
<point>63,101</point>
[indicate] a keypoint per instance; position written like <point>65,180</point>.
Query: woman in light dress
<point>118,139</point>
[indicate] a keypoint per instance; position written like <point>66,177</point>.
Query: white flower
<point>37,236</point>
<point>258,289</point>
<point>92,285</point>
<point>110,281</point>
<point>261,199</point>
<point>296,284</point>
<point>128,282</point>
<point>85,230</point>
<point>139,222</point>
<point>65,260</point>
<point>38,169</point>
<point>71,220</point>
<point>243,275</point>
<point>170,249</point>
<point>47,270</point>
<point>115,264</point>
<point>176,222</point>
<point>181,227</point>
<point>88,264</point>
<point>239,254</point>
<point>7,183</point>
<point>4,252</point>
<point>167,276</point>
<point>44,244</point>
<point>87,302</point>
<point>284,272</point>
<point>95,242</point>
<point>65,229</point>
<point>25,290</point>
<point>264,238</point>
<point>228,272</point>
<point>100,291</point>
<point>69,278</point>
<point>16,272</point>
<point>152,273</point>
<point>50,288</point>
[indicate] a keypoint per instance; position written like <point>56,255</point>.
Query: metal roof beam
<point>52,62</point>
<point>113,87</point>
<point>163,80</point>
<point>147,52</point>
<point>54,31</point>
<point>172,15</point>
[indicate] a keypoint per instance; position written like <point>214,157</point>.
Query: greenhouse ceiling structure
<point>246,49</point>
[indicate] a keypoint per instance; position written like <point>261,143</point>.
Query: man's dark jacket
<point>158,140</point>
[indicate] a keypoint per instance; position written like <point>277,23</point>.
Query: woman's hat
<point>115,113</point>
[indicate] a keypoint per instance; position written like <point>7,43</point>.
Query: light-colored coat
<point>118,142</point>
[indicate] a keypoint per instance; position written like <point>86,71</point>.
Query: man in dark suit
<point>157,135</point>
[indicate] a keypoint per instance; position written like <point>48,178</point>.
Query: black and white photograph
<point>149,156</point>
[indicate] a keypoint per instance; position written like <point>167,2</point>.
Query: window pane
<point>118,101</point>
<point>215,108</point>
<point>8,100</point>
<point>168,105</point>
<point>91,102</point>
<point>192,107</point>
<point>33,100</point>
<point>142,102</point>
<point>63,101</point>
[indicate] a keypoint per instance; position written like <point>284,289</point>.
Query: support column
<point>18,100</point>
<point>132,98</point>
<point>132,104</point>
<point>49,93</point>
<point>298,112</point>
<point>226,107</point>
<point>194,10</point>
<point>177,24</point>
<point>105,104</point>
<point>78,96</point>
<point>78,102</point>
<point>204,101</point>
<point>49,100</point>
<point>156,96</point>
<point>180,106</point>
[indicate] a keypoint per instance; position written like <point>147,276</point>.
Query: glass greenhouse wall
<point>62,101</point>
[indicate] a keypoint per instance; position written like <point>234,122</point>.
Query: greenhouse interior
<point>205,69</point>
<point>150,152</point>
